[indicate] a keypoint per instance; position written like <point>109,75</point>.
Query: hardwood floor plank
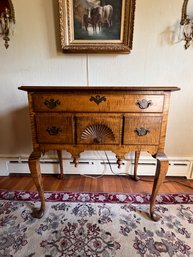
<point>78,183</point>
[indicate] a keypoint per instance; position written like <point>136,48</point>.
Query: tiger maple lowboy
<point>120,119</point>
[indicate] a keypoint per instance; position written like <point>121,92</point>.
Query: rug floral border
<point>139,198</point>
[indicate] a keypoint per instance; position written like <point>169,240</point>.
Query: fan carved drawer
<point>120,119</point>
<point>99,129</point>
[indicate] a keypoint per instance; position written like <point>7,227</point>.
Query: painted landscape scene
<point>97,19</point>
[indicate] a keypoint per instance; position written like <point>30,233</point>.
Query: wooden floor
<point>78,183</point>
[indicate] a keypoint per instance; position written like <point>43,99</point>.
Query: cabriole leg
<point>161,171</point>
<point>34,166</point>
<point>61,176</point>
<point>137,155</point>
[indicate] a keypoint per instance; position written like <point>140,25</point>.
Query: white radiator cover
<point>96,163</point>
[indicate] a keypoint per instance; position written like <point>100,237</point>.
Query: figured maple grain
<point>151,124</point>
<point>83,102</point>
<point>76,119</point>
<point>54,128</point>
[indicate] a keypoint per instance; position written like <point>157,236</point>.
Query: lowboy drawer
<point>99,102</point>
<point>98,129</point>
<point>54,128</point>
<point>140,129</point>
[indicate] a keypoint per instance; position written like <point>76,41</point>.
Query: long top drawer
<point>89,102</point>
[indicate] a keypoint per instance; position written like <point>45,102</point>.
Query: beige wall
<point>34,58</point>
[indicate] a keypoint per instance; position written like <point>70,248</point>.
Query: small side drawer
<point>97,102</point>
<point>98,129</point>
<point>142,129</point>
<point>54,128</point>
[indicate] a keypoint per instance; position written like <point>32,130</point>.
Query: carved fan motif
<point>97,133</point>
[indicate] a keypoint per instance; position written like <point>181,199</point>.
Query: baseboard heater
<point>146,167</point>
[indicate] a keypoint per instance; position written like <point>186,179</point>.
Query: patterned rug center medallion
<point>95,225</point>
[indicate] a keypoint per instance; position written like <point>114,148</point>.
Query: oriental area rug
<point>95,225</point>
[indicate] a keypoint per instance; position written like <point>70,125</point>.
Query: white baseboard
<point>96,164</point>
<point>4,171</point>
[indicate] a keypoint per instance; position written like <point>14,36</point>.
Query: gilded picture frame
<point>96,26</point>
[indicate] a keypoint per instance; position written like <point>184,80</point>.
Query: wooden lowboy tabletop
<point>91,88</point>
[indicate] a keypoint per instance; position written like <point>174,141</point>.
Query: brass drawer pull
<point>142,131</point>
<point>98,99</point>
<point>144,104</point>
<point>51,103</point>
<point>53,130</point>
<point>97,140</point>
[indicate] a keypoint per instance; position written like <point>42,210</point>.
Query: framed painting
<point>96,26</point>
